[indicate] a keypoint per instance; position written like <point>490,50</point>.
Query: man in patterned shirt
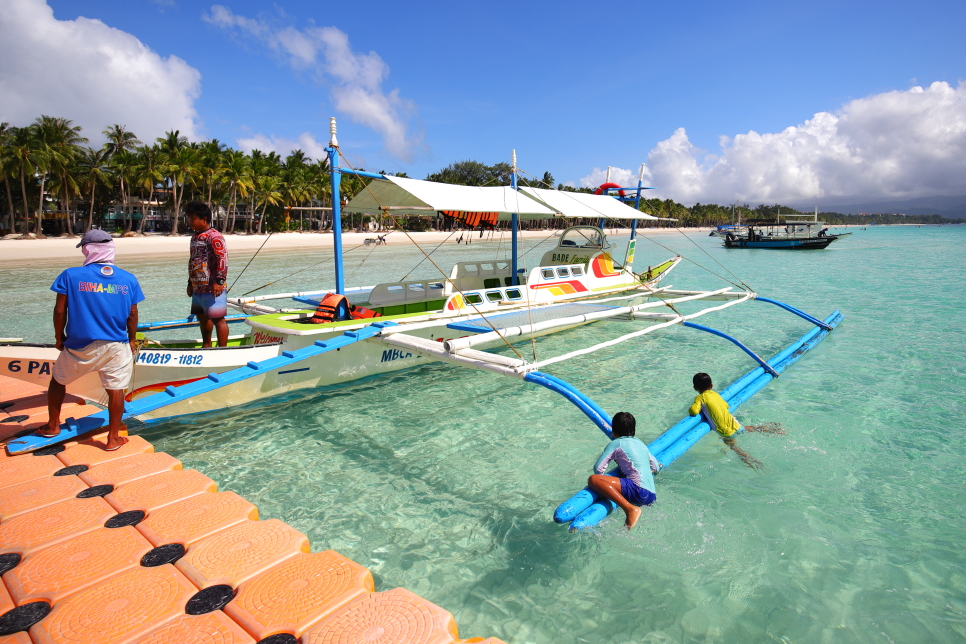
<point>207,272</point>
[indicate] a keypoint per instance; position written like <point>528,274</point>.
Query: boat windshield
<point>583,237</point>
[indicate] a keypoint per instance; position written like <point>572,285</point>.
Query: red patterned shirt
<point>208,260</point>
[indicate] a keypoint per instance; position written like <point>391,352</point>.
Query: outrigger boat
<point>792,234</point>
<point>480,305</point>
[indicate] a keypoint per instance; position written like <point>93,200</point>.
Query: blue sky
<point>573,86</point>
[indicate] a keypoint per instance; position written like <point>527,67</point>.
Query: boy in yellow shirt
<point>714,410</point>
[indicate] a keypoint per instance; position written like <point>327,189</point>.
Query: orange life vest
<point>359,313</point>
<point>332,308</point>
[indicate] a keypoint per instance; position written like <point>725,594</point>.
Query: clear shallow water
<point>444,480</point>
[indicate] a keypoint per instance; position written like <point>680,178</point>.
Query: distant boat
<point>792,234</point>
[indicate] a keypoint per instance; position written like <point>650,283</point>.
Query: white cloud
<point>90,73</point>
<point>898,144</point>
<point>620,176</point>
<point>306,142</point>
<point>355,78</point>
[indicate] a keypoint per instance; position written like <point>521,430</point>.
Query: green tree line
<point>50,172</point>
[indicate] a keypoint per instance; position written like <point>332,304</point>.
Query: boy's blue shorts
<point>210,306</point>
<point>636,494</point>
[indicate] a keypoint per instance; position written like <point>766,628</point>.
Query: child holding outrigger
<point>715,411</point>
<point>635,486</point>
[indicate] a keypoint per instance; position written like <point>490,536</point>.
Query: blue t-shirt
<point>632,456</point>
<point>99,301</point>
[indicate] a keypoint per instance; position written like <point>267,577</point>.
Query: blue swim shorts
<point>636,494</point>
<point>210,306</point>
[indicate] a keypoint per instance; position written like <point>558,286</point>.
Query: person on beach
<point>715,411</point>
<point>207,272</point>
<point>635,487</point>
<point>95,323</point>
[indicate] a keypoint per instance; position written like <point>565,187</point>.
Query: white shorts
<point>112,361</point>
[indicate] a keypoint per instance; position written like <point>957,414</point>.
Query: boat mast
<point>514,223</point>
<point>637,202</point>
<point>336,177</point>
<point>600,224</point>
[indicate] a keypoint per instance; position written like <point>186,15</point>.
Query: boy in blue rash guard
<point>636,487</point>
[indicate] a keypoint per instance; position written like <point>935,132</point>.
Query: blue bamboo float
<point>586,508</point>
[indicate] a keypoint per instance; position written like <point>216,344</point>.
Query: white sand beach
<point>13,251</point>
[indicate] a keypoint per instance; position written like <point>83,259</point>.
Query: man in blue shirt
<point>95,322</point>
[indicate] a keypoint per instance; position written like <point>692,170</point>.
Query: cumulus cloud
<point>90,73</point>
<point>898,144</point>
<point>619,176</point>
<point>306,143</point>
<point>355,79</point>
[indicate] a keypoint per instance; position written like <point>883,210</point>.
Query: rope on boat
<point>441,272</point>
<point>250,261</point>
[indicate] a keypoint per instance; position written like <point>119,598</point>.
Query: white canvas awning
<point>414,197</point>
<point>582,204</point>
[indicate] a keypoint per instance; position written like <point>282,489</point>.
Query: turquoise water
<point>444,481</point>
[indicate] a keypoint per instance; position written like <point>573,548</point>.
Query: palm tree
<point>94,171</point>
<point>173,145</point>
<point>62,141</point>
<point>238,173</point>
<point>123,163</point>
<point>27,158</point>
<point>269,192</point>
<point>210,165</point>
<point>7,166</point>
<point>119,139</point>
<point>147,174</point>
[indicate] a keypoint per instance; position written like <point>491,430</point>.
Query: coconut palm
<point>123,164</point>
<point>148,173</point>
<point>7,166</point>
<point>177,157</point>
<point>269,193</point>
<point>237,172</point>
<point>94,171</point>
<point>121,142</point>
<point>210,163</point>
<point>61,141</point>
<point>28,158</point>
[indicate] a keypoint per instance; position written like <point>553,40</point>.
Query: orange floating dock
<point>126,547</point>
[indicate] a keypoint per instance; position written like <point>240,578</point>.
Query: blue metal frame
<point>336,178</point>
<point>514,227</point>
<point>737,342</point>
<point>792,309</point>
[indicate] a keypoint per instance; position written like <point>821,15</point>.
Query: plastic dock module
<point>129,468</point>
<point>390,617</point>
<point>6,601</point>
<point>43,527</point>
<point>20,470</point>
<point>69,566</point>
<point>196,517</point>
<point>117,611</point>
<point>16,638</point>
<point>239,553</point>
<point>37,493</point>
<point>212,628</point>
<point>122,547</point>
<point>91,452</point>
<point>294,595</point>
<point>156,491</point>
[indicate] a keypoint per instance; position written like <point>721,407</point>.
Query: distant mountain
<point>949,207</point>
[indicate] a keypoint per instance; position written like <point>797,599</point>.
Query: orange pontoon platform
<point>126,547</point>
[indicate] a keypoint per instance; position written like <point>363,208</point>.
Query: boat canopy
<point>405,196</point>
<point>585,205</point>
